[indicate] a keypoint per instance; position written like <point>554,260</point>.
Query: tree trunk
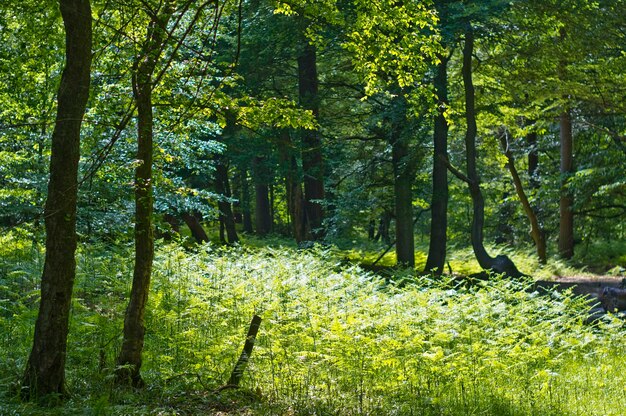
<point>295,198</point>
<point>312,163</point>
<point>261,188</point>
<point>195,227</point>
<point>566,225</point>
<point>245,202</point>
<point>535,229</point>
<point>533,160</point>
<point>129,359</point>
<point>439,203</point>
<point>499,264</point>
<point>45,369</point>
<point>403,176</point>
<point>226,212</point>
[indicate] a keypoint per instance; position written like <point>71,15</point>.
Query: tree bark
<point>226,212</point>
<point>129,359</point>
<point>261,188</point>
<point>439,201</point>
<point>45,369</point>
<point>499,264</point>
<point>312,161</point>
<point>295,197</point>
<point>533,160</point>
<point>566,224</point>
<point>245,203</point>
<point>535,229</point>
<point>195,227</point>
<point>403,177</point>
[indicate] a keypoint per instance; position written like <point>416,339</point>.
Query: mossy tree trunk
<point>45,369</point>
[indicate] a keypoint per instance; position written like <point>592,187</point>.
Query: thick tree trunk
<point>222,187</point>
<point>403,177</point>
<point>129,359</point>
<point>566,225</point>
<point>499,264</point>
<point>262,192</point>
<point>439,202</point>
<point>535,229</point>
<point>45,369</point>
<point>312,162</point>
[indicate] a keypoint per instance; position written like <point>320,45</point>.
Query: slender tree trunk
<point>439,213</point>
<point>226,212</point>
<point>499,264</point>
<point>533,160</point>
<point>566,225</point>
<point>261,189</point>
<point>129,359</point>
<point>245,203</point>
<point>295,197</point>
<point>312,162</point>
<point>45,369</point>
<point>535,229</point>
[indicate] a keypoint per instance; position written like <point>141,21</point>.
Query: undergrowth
<point>335,340</point>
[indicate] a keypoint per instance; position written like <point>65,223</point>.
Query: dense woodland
<point>380,183</point>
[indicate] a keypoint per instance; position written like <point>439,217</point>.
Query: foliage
<point>334,339</point>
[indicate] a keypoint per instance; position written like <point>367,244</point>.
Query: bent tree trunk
<point>499,264</point>
<point>535,229</point>
<point>129,359</point>
<point>439,202</point>
<point>195,227</point>
<point>45,369</point>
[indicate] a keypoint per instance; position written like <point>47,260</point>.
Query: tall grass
<point>334,340</point>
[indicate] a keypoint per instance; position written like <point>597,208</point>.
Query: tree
<point>45,369</point>
<point>501,263</point>
<point>129,358</point>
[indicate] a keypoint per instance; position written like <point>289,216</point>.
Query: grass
<point>335,339</point>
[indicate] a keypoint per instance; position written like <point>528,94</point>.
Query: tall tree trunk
<point>403,198</point>
<point>261,189</point>
<point>499,264</point>
<point>223,189</point>
<point>403,177</point>
<point>535,229</point>
<point>129,359</point>
<point>439,202</point>
<point>566,224</point>
<point>45,369</point>
<point>312,162</point>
